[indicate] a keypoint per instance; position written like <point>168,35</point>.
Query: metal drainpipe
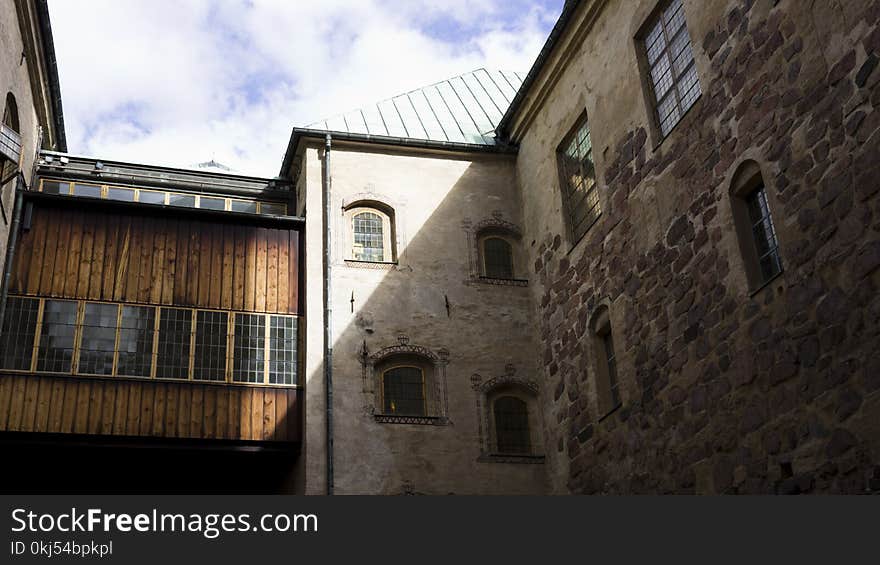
<point>10,248</point>
<point>328,313</point>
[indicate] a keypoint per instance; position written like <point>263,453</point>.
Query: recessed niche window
<point>672,74</point>
<point>512,425</point>
<point>370,233</point>
<point>403,391</point>
<point>578,180</point>
<point>755,230</point>
<point>509,415</point>
<point>604,353</point>
<point>497,257</point>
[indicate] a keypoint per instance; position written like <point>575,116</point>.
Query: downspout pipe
<point>11,245</point>
<point>328,315</point>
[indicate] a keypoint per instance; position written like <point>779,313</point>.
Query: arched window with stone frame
<point>406,384</point>
<point>509,421</point>
<point>605,361</point>
<point>497,257</point>
<point>370,234</point>
<point>755,230</point>
<point>10,140</point>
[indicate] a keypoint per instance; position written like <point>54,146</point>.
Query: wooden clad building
<point>153,304</point>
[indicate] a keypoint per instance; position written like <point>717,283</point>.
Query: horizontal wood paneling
<point>73,253</point>
<point>39,403</point>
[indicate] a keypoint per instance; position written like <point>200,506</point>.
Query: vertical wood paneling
<point>108,408</point>
<point>250,289</point>
<point>60,270</point>
<point>96,278</point>
<point>6,383</point>
<point>52,217</point>
<point>238,268</point>
<point>29,413</point>
<point>84,275</point>
<point>96,406</point>
<point>74,251</point>
<point>294,273</point>
<point>227,275</point>
<point>158,269</point>
<point>38,250</point>
<point>44,399</point>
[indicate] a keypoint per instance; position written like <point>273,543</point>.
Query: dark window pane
<point>497,257</point>
<point>150,197</point>
<point>403,391</point>
<point>52,187</point>
<point>19,328</point>
<point>98,339</point>
<point>244,206</point>
<point>209,359</point>
<point>89,190</point>
<point>121,194</point>
<point>283,351</point>
<point>210,203</point>
<point>512,425</point>
<point>57,332</point>
<point>611,361</point>
<point>368,237</point>
<point>764,234</point>
<point>175,333</point>
<point>136,341</point>
<point>273,208</point>
<point>249,349</point>
<point>183,200</point>
<point>579,181</point>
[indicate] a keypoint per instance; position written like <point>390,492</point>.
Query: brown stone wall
<point>724,391</point>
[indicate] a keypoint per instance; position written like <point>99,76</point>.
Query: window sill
<point>683,121</point>
<point>418,420</point>
<point>373,265</point>
<point>501,282</point>
<point>767,283</point>
<point>583,237</point>
<point>610,412</point>
<point>527,459</point>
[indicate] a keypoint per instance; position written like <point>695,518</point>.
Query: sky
<point>177,83</point>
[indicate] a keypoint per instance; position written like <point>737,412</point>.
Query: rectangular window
<point>209,203</point>
<point>579,188</point>
<point>611,363</point>
<point>244,206</point>
<point>249,349</point>
<point>209,356</point>
<point>98,340</point>
<point>672,73</point>
<point>90,190</point>
<point>120,194</point>
<point>282,350</point>
<point>19,330</point>
<point>150,197</point>
<point>175,336</point>
<point>57,335</point>
<point>184,200</point>
<point>136,341</point>
<point>273,208</point>
<point>764,234</point>
<point>54,187</point>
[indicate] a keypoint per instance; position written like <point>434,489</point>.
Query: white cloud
<point>176,83</point>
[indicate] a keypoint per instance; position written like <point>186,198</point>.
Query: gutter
<point>328,312</point>
<point>555,34</point>
<point>52,73</point>
<point>12,244</point>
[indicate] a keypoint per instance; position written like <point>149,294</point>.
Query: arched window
<point>371,233</point>
<point>512,425</point>
<point>403,391</point>
<point>607,384</point>
<point>10,114</point>
<point>497,258</point>
<point>755,230</point>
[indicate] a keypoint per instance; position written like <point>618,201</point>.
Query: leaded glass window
<point>136,341</point>
<point>498,258</point>
<point>512,425</point>
<point>369,239</point>
<point>403,391</point>
<point>57,335</point>
<point>19,329</point>
<point>209,358</point>
<point>611,364</point>
<point>581,194</point>
<point>673,75</point>
<point>282,350</point>
<point>764,234</point>
<point>98,341</point>
<point>249,354</point>
<point>175,336</point>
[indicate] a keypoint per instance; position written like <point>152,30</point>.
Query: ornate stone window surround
<point>369,203</point>
<point>433,366</point>
<point>494,227</point>
<point>486,393</point>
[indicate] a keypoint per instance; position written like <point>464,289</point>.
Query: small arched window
<point>607,384</point>
<point>10,114</point>
<point>497,258</point>
<point>512,425</point>
<point>755,230</point>
<point>371,233</point>
<point>403,391</point>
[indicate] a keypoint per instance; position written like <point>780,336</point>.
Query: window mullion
<point>268,348</point>
<point>115,369</point>
<point>192,345</point>
<point>154,357</point>
<point>77,336</point>
<point>37,335</point>
<point>230,342</point>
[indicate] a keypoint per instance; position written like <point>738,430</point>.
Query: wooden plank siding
<point>45,403</point>
<point>90,255</point>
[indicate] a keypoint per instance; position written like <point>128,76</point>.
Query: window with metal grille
<point>580,192</point>
<point>369,239</point>
<point>403,391</point>
<point>57,336</point>
<point>512,425</point>
<point>282,350</point>
<point>209,354</point>
<point>605,360</point>
<point>672,73</point>
<point>497,258</point>
<point>764,234</point>
<point>136,330</point>
<point>611,364</point>
<point>19,329</point>
<point>98,341</point>
<point>249,349</point>
<point>175,336</point>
